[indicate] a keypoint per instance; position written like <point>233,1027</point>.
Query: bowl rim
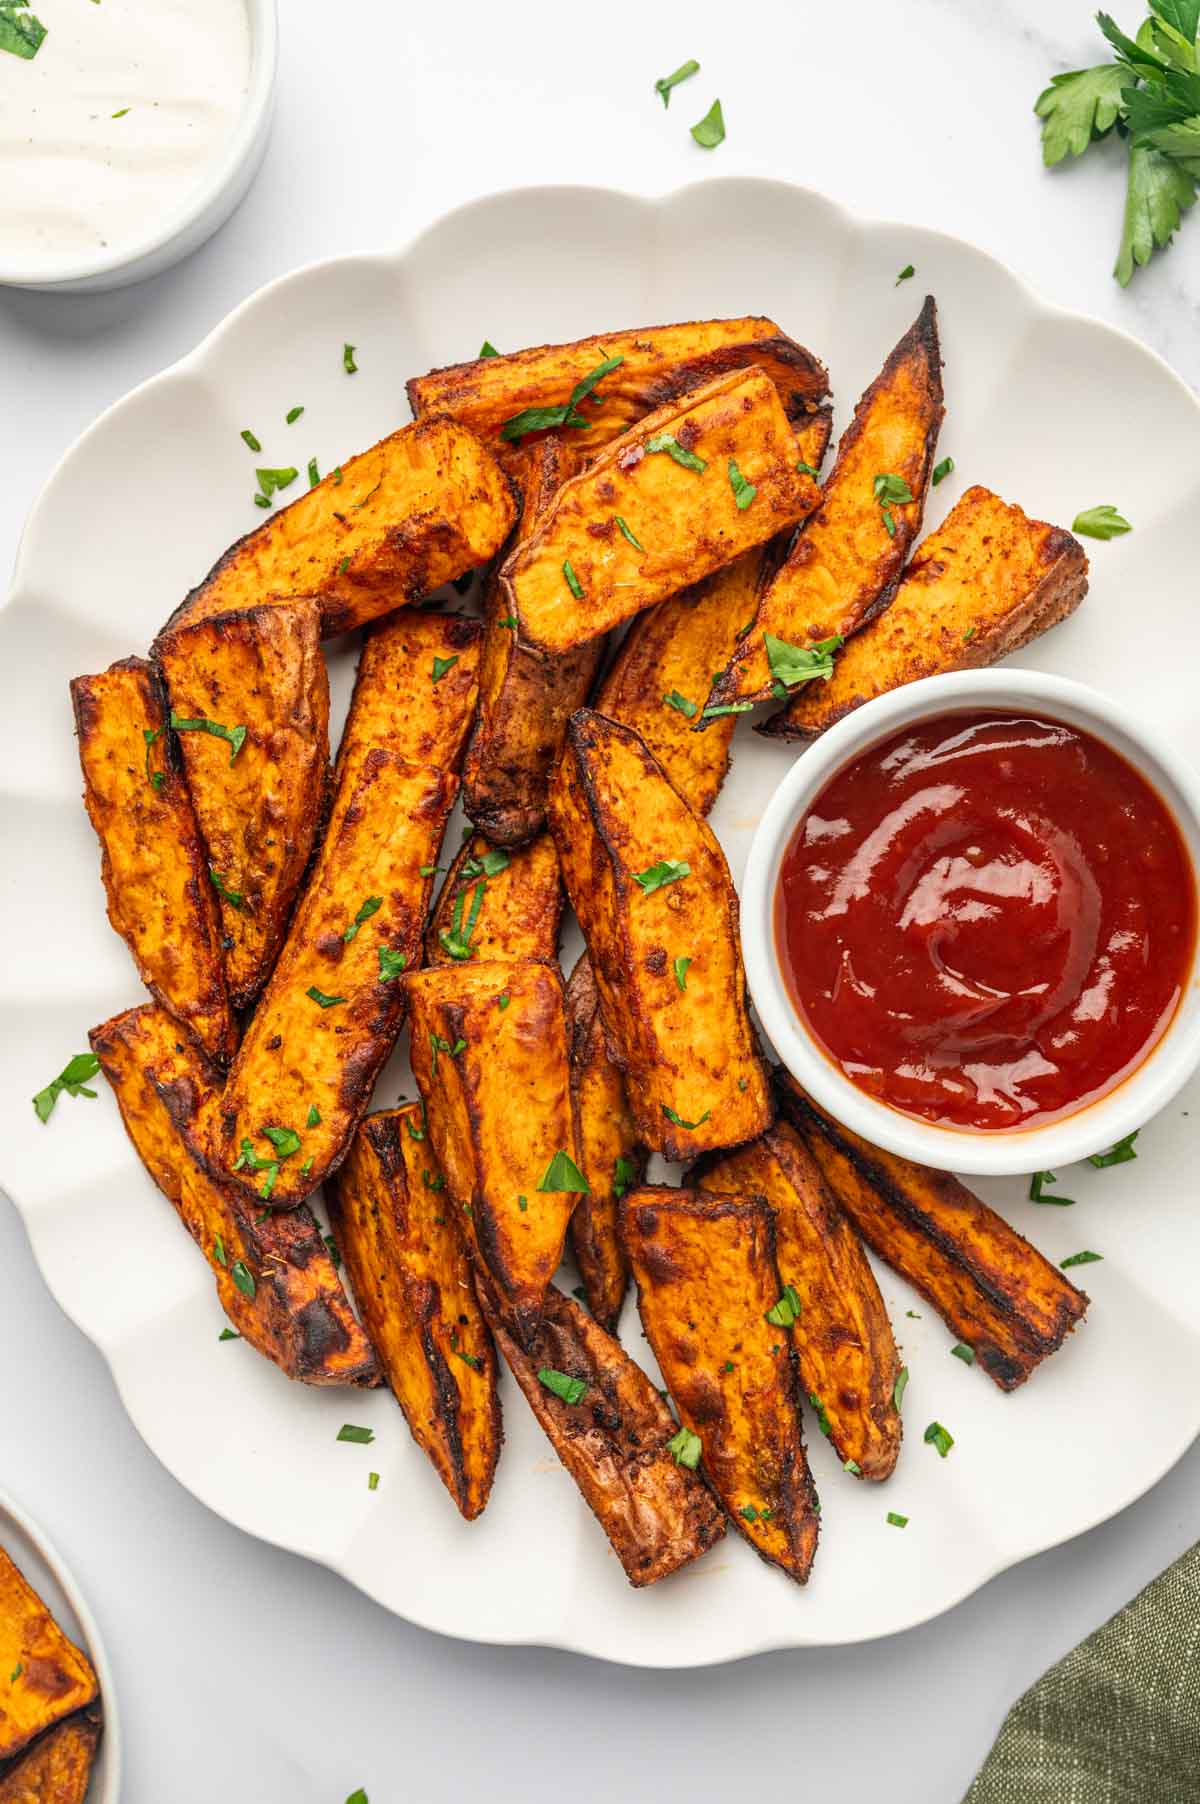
<point>262,17</point>
<point>999,1153</point>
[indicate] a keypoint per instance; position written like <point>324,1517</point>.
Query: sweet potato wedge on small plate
<point>47,1677</point>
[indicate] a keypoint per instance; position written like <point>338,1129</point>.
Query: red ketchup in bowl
<point>987,920</point>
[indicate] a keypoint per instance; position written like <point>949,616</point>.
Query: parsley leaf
<point>942,470</point>
<point>542,419</point>
<point>1084,1258</point>
<point>250,439</point>
<point>624,1174</point>
<point>681,703</point>
<point>1120,1154</point>
<point>628,533</point>
<point>561,1384</point>
<point>939,1437</point>
<point>665,83</point>
<point>905,275</point>
<point>1037,1194</point>
<point>350,1431</point>
<point>900,1386</point>
<point>371,906</point>
<point>667,870</point>
<point>743,491</point>
<point>271,481</point>
<point>786,1312</point>
<point>72,1079</point>
<point>441,666</point>
<point>390,964</point>
<point>710,131</point>
<point>666,441</point>
<point>573,582</point>
<point>681,971</point>
<point>687,1448</point>
<point>562,1174</point>
<point>234,897</point>
<point>20,32</point>
<point>285,1140</point>
<point>896,1520</point>
<point>963,1352</point>
<point>488,349</point>
<point>1103,522</point>
<point>235,735</point>
<point>791,665</point>
<point>292,415</point>
<point>1077,108</point>
<point>1158,194</point>
<point>320,997</point>
<point>688,1126</point>
<point>348,363</point>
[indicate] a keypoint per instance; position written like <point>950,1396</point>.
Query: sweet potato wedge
<point>614,1439</point>
<point>525,699</point>
<point>58,1768</point>
<point>414,695</point>
<point>497,904</point>
<point>489,1053</point>
<point>846,563</point>
<point>661,676</point>
<point>685,491</point>
<point>45,1676</point>
<point>706,1277</point>
<point>609,1152</point>
<point>411,1272</point>
<point>274,1275</point>
<point>152,862</point>
<point>842,1336</point>
<point>657,365</point>
<point>983,584</point>
<point>650,885</point>
<point>258,675</point>
<point>992,1289</point>
<point>330,1015</point>
<point>418,509</point>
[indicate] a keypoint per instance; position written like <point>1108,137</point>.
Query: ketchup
<point>987,920</point>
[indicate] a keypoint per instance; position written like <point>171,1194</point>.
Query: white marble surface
<point>245,1673</point>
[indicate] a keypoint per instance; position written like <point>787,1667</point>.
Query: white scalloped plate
<point>1051,409</point>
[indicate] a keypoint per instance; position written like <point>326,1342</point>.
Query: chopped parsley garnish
<point>743,491</point>
<point>350,1431</point>
<point>963,1352</point>
<point>852,1466</point>
<point>561,1384</point>
<point>681,971</point>
<point>234,897</point>
<point>72,1080</point>
<point>710,131</point>
<point>791,665</point>
<point>285,1140</point>
<point>441,666</point>
<point>939,1437</point>
<point>628,533</point>
<point>229,1334</point>
<point>667,870</point>
<point>456,939</point>
<point>307,1166</point>
<point>271,481</point>
<point>905,274</point>
<point>509,620</point>
<point>120,112</point>
<point>293,414</point>
<point>1037,1191</point>
<point>901,1385</point>
<point>431,1182</point>
<point>343,566</point>
<point>262,501</point>
<point>488,349</point>
<point>250,439</point>
<point>331,1247</point>
<point>314,474</point>
<point>1101,523</point>
<point>942,470</point>
<point>219,1253</point>
<point>572,581</point>
<point>243,1277</point>
<point>372,1485</point>
<point>681,704</point>
<point>888,490</point>
<point>1084,1258</point>
<point>235,735</point>
<point>823,1422</point>
<point>348,363</point>
<point>897,1521</point>
<point>563,1174</point>
<point>16,1672</point>
<point>688,1126</point>
<point>751,1514</point>
<point>969,634</point>
<point>321,999</point>
<point>666,441</point>
<point>786,1312</point>
<point>624,1174</point>
<point>803,469</point>
<point>686,1447</point>
<point>490,865</point>
<point>390,964</point>
<point>523,1204</point>
<point>414,1132</point>
<point>714,710</point>
<point>503,1000</point>
<point>371,906</point>
<point>542,419</point>
<point>471,1359</point>
<point>665,83</point>
<point>1120,1154</point>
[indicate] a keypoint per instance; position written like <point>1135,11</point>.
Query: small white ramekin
<point>205,208</point>
<point>1092,1129</point>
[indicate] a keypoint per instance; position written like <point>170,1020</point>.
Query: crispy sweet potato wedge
<point>705,1272</point>
<point>525,699</point>
<point>842,1336</point>
<point>333,1008</point>
<point>662,674</point>
<point>414,695</point>
<point>160,897</point>
<point>411,1273</point>
<point>658,364</point>
<point>985,583</point>
<point>696,484</point>
<point>992,1289</point>
<point>58,1768</point>
<point>498,905</point>
<point>493,1076</point>
<point>614,1440</point>
<point>418,509</point>
<point>260,675</point>
<point>845,565</point>
<point>274,1275</point>
<point>650,885</point>
<point>609,1152</point>
<point>50,1676</point>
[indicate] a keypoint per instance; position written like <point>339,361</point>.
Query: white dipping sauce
<point>76,181</point>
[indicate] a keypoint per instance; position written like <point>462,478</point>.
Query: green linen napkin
<point>1118,1720</point>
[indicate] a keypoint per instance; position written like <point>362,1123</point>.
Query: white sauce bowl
<point>201,210</point>
<point>995,1152</point>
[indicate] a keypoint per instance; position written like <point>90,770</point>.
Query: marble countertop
<point>244,1672</point>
